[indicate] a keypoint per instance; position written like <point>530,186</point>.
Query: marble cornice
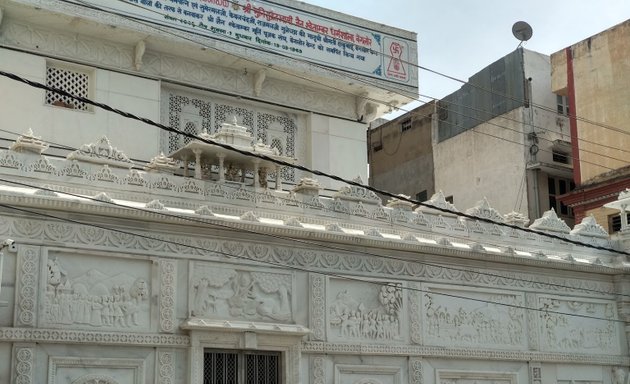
<point>166,218</point>
<point>461,353</point>
<point>70,336</point>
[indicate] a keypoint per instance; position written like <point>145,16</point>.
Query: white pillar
<point>221,168</point>
<point>197,153</point>
<point>278,178</point>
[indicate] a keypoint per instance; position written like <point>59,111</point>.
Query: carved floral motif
<point>28,275</point>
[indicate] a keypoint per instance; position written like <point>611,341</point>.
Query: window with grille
<point>558,187</point>
<point>405,125</point>
<point>72,81</point>
<point>563,105</point>
<point>236,367</point>
<point>614,223</point>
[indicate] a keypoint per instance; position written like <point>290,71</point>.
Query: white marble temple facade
<point>127,268</point>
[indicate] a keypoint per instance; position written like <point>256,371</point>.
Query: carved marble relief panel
<point>464,316</point>
<point>365,311</point>
<point>578,325</point>
<point>475,377</point>
<point>81,370</point>
<point>367,374</point>
<point>217,291</point>
<point>88,292</point>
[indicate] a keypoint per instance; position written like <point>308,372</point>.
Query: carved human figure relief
<point>241,294</point>
<point>365,311</point>
<point>92,298</point>
<point>454,321</point>
<point>560,331</point>
<point>618,376</point>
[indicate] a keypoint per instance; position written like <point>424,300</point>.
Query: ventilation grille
<point>73,82</point>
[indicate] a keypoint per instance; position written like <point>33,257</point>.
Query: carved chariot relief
<point>231,293</point>
<point>82,292</point>
<point>489,319</point>
<point>578,325</point>
<point>365,311</point>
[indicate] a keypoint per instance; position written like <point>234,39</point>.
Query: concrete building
<point>499,136</point>
<point>120,264</point>
<point>400,154</point>
<point>590,78</point>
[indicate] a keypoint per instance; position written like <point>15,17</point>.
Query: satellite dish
<point>522,31</point>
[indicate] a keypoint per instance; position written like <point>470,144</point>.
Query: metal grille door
<point>261,369</point>
<point>236,367</point>
<point>220,368</point>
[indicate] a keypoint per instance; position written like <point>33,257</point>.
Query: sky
<point>460,37</point>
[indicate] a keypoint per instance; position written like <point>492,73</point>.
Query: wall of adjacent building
<point>402,161</point>
<point>486,161</point>
<point>600,76</point>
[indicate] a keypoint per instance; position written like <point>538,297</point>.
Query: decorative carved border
<point>318,370</point>
<point>165,367</point>
<point>76,236</point>
<point>318,307</point>
<point>56,362</point>
<point>45,335</point>
<point>415,312</point>
<point>460,353</point>
<point>168,273</point>
<point>23,363</point>
<point>27,280</point>
<point>415,371</point>
<point>531,301</point>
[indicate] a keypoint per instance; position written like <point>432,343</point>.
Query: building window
<point>421,196</point>
<point>563,105</point>
<point>237,367</point>
<point>73,81</point>
<point>558,187</point>
<point>614,223</point>
<point>405,125</point>
<point>449,199</point>
<point>560,157</point>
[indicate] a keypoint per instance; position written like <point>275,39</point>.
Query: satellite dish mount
<point>522,31</point>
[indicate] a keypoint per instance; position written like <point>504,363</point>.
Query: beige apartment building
<point>591,77</point>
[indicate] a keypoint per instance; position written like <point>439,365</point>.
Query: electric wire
<point>357,184</point>
<point>301,167</point>
<point>306,270</point>
<point>503,116</point>
<point>339,73</point>
<point>384,54</point>
<point>318,244</point>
